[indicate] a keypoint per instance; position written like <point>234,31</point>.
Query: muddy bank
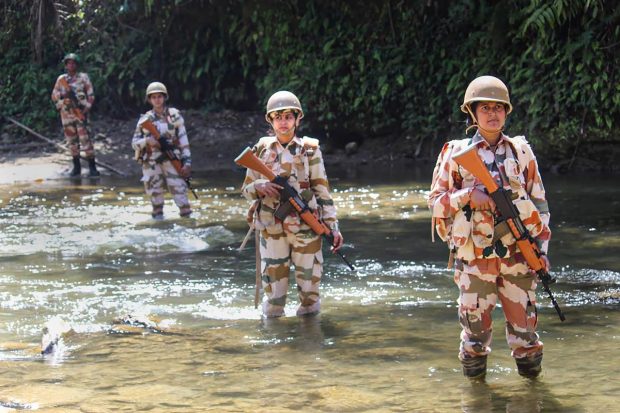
<point>215,139</point>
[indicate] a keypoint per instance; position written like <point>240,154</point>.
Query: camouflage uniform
<point>75,130</point>
<point>291,240</point>
<point>157,171</point>
<point>488,263</point>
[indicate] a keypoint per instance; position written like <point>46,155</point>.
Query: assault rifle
<point>168,150</point>
<point>468,158</point>
<point>75,104</point>
<point>293,201</point>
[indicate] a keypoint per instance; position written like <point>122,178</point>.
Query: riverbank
<point>215,140</point>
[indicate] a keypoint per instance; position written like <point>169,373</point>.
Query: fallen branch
<point>64,149</point>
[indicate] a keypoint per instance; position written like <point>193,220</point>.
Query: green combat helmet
<point>283,100</point>
<point>71,56</point>
<point>486,88</point>
<point>156,87</point>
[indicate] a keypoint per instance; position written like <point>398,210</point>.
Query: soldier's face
<point>491,115</point>
<point>157,100</point>
<point>71,66</point>
<point>283,123</point>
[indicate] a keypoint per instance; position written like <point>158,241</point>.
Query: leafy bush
<point>371,68</point>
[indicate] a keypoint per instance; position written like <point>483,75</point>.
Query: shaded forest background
<point>392,70</point>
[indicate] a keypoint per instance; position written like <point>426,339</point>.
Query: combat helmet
<point>486,88</point>
<point>283,100</point>
<point>156,87</point>
<point>71,56</point>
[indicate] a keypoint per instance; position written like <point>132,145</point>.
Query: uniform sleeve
<point>252,178</point>
<point>138,142</point>
<point>57,94</point>
<point>536,191</point>
<point>89,91</point>
<point>446,197</point>
<point>320,187</point>
<point>186,154</point>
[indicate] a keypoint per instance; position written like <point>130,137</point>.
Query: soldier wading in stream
<point>488,264</point>
<point>290,241</point>
<point>74,96</point>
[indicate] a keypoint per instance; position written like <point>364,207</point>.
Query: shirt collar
<point>477,138</point>
<point>274,140</point>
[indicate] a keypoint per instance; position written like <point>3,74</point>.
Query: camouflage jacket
<point>472,232</point>
<point>81,86</point>
<point>172,127</point>
<point>301,161</point>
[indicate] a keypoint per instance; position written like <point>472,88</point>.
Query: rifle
<point>468,158</point>
<point>75,104</point>
<point>294,200</point>
<point>168,150</point>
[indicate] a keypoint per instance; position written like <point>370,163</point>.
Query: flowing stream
<point>86,252</point>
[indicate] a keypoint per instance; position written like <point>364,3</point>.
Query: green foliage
<point>370,68</point>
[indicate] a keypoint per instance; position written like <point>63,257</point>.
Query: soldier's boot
<point>474,367</point>
<point>77,167</point>
<point>530,366</point>
<point>92,167</point>
<point>185,212</point>
<point>158,212</point>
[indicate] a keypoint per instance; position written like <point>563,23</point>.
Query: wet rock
<point>346,399</point>
<point>351,148</point>
<point>134,323</point>
<point>609,295</point>
<point>54,331</point>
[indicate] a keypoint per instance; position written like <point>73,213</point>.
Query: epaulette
<point>310,142</point>
<point>175,117</point>
<point>310,145</point>
<point>522,148</point>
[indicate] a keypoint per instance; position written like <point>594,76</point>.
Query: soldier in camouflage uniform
<point>158,173</point>
<point>488,263</point>
<point>75,129</point>
<point>291,240</point>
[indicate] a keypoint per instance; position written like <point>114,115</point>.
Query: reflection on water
<point>386,340</point>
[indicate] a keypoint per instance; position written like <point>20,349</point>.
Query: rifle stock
<point>75,105</point>
<point>168,150</point>
<point>468,158</point>
<point>248,159</point>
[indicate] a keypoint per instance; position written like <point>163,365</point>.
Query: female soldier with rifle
<point>490,257</point>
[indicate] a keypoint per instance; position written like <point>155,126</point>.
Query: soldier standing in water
<point>488,263</point>
<point>74,96</point>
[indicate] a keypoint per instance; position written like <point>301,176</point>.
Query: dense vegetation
<point>376,69</point>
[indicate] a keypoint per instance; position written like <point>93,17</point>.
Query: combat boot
<point>77,167</point>
<point>530,366</point>
<point>474,367</point>
<point>92,167</point>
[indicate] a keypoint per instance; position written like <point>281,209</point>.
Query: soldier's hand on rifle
<point>151,141</point>
<point>480,200</point>
<point>186,171</point>
<point>338,241</point>
<point>268,189</point>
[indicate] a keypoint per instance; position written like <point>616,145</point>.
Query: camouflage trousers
<point>278,250</point>
<point>481,282</point>
<point>77,137</point>
<point>159,176</point>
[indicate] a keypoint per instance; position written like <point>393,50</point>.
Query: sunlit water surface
<point>386,340</point>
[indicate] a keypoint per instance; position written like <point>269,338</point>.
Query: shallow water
<point>386,340</point>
